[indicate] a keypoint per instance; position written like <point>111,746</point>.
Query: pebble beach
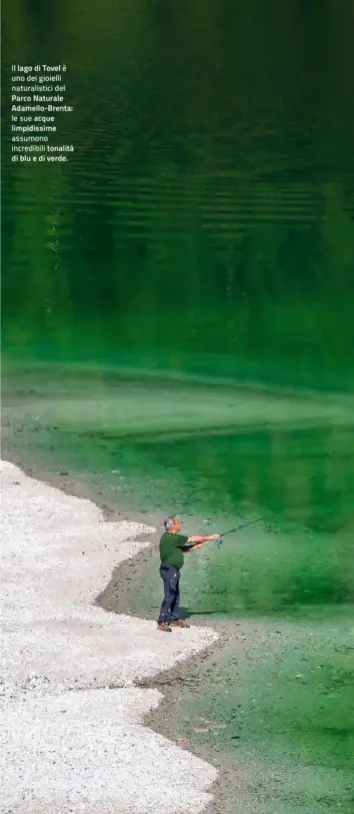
<point>73,729</point>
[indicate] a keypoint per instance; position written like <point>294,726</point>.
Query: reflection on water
<point>206,214</point>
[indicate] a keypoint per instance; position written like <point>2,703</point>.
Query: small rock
<point>183,742</point>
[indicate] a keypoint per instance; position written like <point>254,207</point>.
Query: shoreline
<point>48,615</point>
<point>242,781</point>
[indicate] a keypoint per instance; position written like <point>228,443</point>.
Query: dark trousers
<point>170,603</point>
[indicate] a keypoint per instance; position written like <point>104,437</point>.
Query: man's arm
<point>203,539</point>
<point>198,541</point>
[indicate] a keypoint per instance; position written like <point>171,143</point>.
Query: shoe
<point>178,623</point>
<point>164,627</point>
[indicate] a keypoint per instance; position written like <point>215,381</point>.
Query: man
<point>173,546</point>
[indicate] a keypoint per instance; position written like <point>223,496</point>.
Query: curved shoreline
<point>58,551</point>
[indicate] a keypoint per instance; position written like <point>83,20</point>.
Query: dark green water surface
<point>205,220</point>
<point>178,334</point>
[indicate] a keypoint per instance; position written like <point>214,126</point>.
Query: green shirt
<point>171,549</point>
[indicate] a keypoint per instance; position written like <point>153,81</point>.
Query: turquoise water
<point>283,706</point>
<point>217,456</point>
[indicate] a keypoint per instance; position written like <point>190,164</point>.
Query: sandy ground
<point>73,735</point>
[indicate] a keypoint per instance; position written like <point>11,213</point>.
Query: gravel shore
<point>73,734</point>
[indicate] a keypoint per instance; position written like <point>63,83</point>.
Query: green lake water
<point>178,334</point>
<point>286,701</point>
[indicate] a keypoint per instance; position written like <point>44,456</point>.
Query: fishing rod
<point>242,526</point>
<point>237,528</point>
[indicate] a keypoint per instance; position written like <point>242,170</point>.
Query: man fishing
<point>173,546</point>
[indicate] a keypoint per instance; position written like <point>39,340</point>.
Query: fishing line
<point>237,528</point>
<point>242,526</point>
<point>271,527</point>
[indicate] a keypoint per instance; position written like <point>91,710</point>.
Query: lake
<point>178,334</point>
